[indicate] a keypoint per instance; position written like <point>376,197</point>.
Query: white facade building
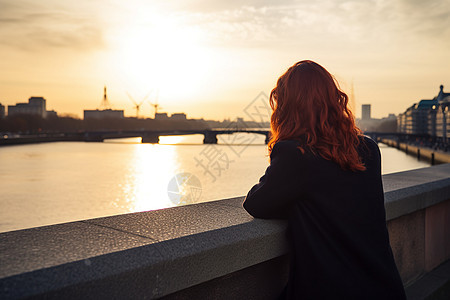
<point>35,106</point>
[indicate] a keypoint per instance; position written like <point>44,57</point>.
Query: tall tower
<point>365,112</point>
<point>351,99</point>
<point>105,103</point>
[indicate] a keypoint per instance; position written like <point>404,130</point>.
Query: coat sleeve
<point>280,185</point>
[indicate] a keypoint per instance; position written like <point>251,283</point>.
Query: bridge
<point>148,136</point>
<point>152,136</point>
<point>214,250</point>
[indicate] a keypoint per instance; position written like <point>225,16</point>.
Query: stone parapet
<point>212,250</point>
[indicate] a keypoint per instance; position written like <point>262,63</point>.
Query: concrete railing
<point>212,250</point>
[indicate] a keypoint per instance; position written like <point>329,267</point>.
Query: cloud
<point>288,22</point>
<point>53,24</point>
<point>42,27</point>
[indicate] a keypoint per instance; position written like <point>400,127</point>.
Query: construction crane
<point>155,105</point>
<point>137,106</point>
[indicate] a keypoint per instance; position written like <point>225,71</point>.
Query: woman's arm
<point>279,186</point>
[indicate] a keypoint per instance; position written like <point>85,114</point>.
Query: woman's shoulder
<point>369,144</point>
<point>287,145</point>
<point>369,150</point>
<point>366,139</point>
<point>285,148</point>
<point>290,150</point>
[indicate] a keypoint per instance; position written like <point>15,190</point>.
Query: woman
<point>325,179</point>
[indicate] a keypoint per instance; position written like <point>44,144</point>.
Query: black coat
<point>337,224</point>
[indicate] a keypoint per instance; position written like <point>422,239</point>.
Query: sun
<point>164,54</point>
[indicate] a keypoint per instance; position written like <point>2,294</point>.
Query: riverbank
<point>422,153</point>
<point>36,139</point>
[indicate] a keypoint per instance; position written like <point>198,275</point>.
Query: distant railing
<point>148,136</point>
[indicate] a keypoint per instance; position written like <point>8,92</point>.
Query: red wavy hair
<point>308,105</point>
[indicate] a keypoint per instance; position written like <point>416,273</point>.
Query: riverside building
<point>106,113</point>
<point>427,117</point>
<point>35,106</point>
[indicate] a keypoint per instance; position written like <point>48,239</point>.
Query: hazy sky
<point>211,58</point>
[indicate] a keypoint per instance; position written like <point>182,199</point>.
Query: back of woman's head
<point>308,106</point>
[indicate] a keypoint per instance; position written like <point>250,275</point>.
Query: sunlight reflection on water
<point>149,172</point>
<point>44,184</point>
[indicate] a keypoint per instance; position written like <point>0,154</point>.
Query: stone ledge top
<point>409,191</point>
<point>174,245</point>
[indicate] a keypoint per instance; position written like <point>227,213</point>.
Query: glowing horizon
<point>211,58</point>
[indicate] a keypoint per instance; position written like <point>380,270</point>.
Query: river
<point>44,184</point>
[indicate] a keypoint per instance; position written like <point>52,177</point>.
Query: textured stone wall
<point>207,250</point>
